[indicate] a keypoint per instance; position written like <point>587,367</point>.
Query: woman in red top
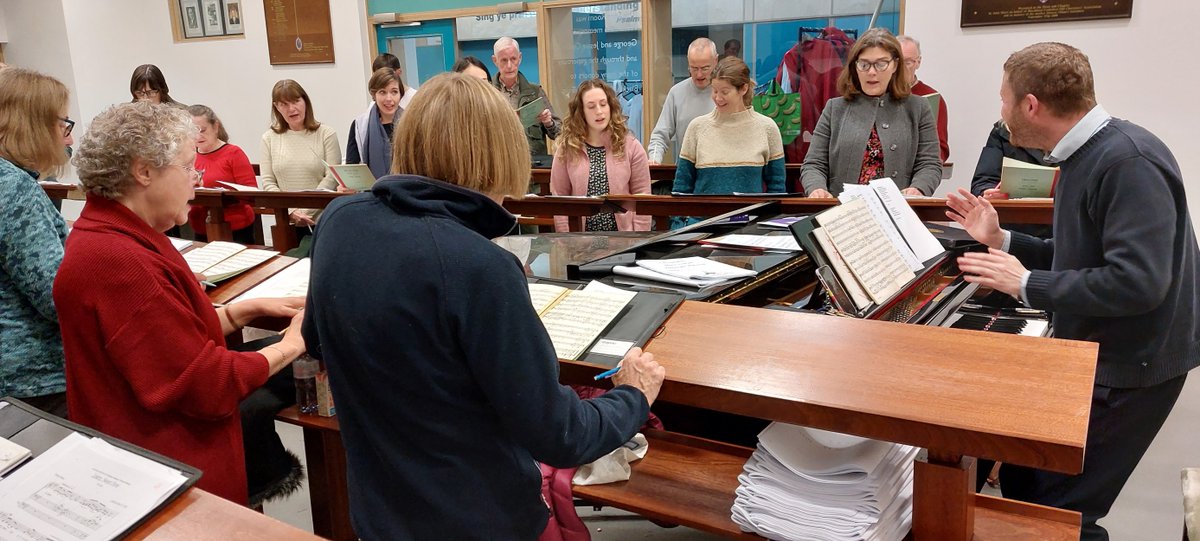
<point>146,359</point>
<point>221,162</point>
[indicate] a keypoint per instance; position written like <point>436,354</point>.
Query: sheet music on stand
<point>80,485</point>
<point>869,248</point>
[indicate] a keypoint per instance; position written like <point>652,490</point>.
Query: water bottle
<point>305,369</point>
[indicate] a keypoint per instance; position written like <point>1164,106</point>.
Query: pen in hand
<point>608,373</point>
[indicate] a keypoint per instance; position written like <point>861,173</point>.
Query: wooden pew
<point>957,394</point>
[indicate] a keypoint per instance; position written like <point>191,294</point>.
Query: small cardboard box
<point>325,407</point>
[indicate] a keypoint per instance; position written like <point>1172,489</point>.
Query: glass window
<point>602,41</point>
<point>477,34</point>
<point>799,46</point>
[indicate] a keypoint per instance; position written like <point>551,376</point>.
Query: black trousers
<point>267,461</point>
<point>1123,423</point>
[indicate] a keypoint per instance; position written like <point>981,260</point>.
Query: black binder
<point>637,323</point>
<point>38,431</point>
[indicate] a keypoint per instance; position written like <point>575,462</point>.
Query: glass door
<point>425,49</point>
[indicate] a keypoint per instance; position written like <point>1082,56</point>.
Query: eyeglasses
<point>145,93</point>
<point>198,173</point>
<point>68,125</point>
<point>910,62</point>
<point>700,69</point>
<point>879,65</point>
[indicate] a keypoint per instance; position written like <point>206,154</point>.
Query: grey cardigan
<point>906,130</point>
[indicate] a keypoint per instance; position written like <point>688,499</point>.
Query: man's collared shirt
<point>1076,137</point>
<point>1079,134</point>
<point>513,94</point>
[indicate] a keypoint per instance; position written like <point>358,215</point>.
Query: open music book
<point>574,318</point>
<point>223,260</point>
<point>872,244</point>
<point>80,484</point>
<point>356,176</point>
<point>289,282</point>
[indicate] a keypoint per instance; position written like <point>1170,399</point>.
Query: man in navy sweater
<point>1121,269</point>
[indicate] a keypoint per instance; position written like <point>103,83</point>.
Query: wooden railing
<point>661,207</point>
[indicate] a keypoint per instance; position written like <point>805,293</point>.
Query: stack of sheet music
<point>808,484</point>
<point>688,271</point>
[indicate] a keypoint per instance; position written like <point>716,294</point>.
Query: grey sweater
<point>684,103</point>
<point>1122,268</point>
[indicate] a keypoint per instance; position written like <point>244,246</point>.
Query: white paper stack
<point>687,271</point>
<point>808,484</point>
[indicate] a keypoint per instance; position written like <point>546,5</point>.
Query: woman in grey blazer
<point>874,130</point>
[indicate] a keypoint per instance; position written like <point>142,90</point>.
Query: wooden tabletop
<point>200,516</point>
<point>1019,399</point>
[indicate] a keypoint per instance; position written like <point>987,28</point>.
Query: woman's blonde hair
<point>460,130</point>
<point>575,128</point>
<point>153,132</point>
<point>31,131</point>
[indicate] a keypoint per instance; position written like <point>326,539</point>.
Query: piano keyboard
<point>999,323</point>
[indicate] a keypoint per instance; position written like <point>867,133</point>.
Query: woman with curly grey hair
<point>146,355</point>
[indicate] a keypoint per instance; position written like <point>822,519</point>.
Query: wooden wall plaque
<point>994,12</point>
<point>298,31</point>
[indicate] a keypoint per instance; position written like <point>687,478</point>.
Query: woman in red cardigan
<point>598,156</point>
<point>221,162</point>
<point>146,360</point>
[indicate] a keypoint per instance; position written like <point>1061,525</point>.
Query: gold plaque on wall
<point>993,12</point>
<point>298,31</point>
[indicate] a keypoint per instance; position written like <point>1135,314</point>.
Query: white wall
<point>1136,64</point>
<point>37,39</point>
<point>109,39</point>
<point>1142,74</point>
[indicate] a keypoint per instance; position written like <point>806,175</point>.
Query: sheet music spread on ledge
<point>83,489</point>
<point>575,318</point>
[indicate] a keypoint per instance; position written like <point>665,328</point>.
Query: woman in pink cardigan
<point>598,156</point>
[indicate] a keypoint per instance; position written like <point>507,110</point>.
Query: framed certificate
<point>233,17</point>
<point>212,17</point>
<point>189,17</point>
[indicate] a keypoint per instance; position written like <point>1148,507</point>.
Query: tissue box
<point>325,406</point>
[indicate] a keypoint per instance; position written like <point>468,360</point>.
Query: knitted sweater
<point>684,103</point>
<point>225,164</point>
<point>31,248</point>
<point>726,153</point>
<point>1122,268</point>
<point>146,360</point>
<point>291,161</point>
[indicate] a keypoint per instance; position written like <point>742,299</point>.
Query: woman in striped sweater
<point>733,148</point>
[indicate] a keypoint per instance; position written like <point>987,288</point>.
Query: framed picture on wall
<point>189,15</point>
<point>212,17</point>
<point>233,17</point>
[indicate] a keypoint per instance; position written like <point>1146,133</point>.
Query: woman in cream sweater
<point>294,148</point>
<point>734,148</point>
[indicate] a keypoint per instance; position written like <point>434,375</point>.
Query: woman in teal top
<point>33,129</point>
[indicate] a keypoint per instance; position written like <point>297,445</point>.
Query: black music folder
<point>639,321</point>
<point>39,431</point>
